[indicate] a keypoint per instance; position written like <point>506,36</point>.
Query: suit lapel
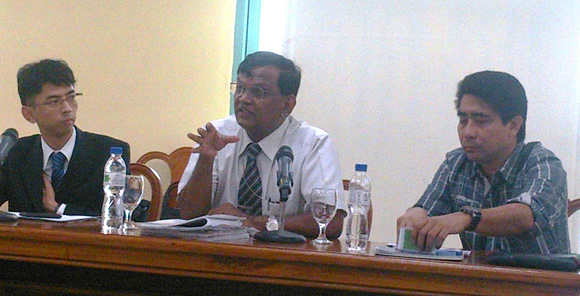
<point>78,164</point>
<point>33,174</point>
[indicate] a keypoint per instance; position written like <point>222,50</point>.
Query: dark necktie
<point>250,192</point>
<point>58,160</point>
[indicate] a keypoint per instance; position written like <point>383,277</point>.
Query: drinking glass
<point>134,185</point>
<point>323,206</point>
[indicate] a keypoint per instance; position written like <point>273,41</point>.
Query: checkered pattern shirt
<point>541,184</point>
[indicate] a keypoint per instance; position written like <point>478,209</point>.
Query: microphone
<point>284,158</point>
<point>7,141</point>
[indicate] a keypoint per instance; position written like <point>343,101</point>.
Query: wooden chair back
<point>345,183</point>
<point>176,160</point>
<point>155,183</point>
<point>573,206</point>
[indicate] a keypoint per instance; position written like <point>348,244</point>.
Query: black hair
<point>31,77</point>
<point>289,80</point>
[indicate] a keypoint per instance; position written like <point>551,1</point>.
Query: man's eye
<point>257,92</point>
<point>53,102</point>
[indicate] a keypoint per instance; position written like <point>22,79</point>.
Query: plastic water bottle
<point>114,186</point>
<point>359,203</point>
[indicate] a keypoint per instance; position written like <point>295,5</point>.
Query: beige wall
<point>150,71</point>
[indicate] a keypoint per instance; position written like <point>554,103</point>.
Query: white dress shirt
<point>315,165</point>
<point>67,150</point>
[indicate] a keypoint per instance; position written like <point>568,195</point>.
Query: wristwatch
<point>475,215</point>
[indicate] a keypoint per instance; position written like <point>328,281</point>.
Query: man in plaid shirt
<point>491,191</point>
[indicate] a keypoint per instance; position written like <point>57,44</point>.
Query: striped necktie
<point>250,192</point>
<point>58,160</point>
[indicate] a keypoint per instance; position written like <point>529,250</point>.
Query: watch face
<point>475,216</point>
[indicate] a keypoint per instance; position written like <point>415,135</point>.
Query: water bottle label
<point>115,179</point>
<point>361,197</point>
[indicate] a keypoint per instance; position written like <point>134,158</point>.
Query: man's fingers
<point>202,132</point>
<point>420,239</point>
<point>45,178</point>
<point>209,127</point>
<point>210,139</point>
<point>195,138</point>
<point>230,139</point>
<point>431,238</point>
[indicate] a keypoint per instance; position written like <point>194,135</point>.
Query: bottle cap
<point>117,150</point>
<point>360,167</point>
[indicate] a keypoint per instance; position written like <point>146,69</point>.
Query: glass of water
<point>134,186</point>
<point>323,206</point>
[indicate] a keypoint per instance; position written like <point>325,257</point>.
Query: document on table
<point>199,222</point>
<point>62,218</point>
<point>206,228</point>
<point>441,254</point>
<point>406,247</point>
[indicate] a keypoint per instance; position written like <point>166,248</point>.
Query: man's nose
<point>66,106</point>
<point>469,130</point>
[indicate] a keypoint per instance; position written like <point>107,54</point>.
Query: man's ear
<point>28,114</point>
<point>289,104</point>
<point>515,125</point>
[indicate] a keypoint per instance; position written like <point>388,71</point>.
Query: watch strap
<point>475,217</point>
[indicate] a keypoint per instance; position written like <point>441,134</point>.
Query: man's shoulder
<point>25,143</point>
<point>227,126</point>
<point>539,149</point>
<point>304,129</point>
<point>541,154</point>
<point>28,140</point>
<point>455,154</point>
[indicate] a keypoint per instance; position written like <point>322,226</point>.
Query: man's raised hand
<point>210,140</point>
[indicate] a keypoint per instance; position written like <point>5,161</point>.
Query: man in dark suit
<point>60,170</point>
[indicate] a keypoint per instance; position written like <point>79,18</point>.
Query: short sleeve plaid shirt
<point>541,184</point>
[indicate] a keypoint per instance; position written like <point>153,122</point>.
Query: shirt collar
<point>271,143</point>
<point>506,171</point>
<point>67,149</point>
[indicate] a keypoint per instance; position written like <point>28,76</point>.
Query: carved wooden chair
<point>573,206</point>
<point>176,161</point>
<point>155,183</point>
<point>345,183</point>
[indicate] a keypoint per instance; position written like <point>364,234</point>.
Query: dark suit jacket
<point>82,186</point>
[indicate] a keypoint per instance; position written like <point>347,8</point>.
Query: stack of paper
<point>206,228</point>
<point>441,254</point>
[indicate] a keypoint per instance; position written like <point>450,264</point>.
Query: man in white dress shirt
<point>265,95</point>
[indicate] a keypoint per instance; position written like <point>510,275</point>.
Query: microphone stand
<point>281,235</point>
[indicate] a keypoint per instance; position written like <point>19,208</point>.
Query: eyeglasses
<point>255,92</point>
<point>56,102</point>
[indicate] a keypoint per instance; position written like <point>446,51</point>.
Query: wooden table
<point>44,258</point>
